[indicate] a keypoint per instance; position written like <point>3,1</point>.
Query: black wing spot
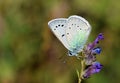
<point>54,29</point>
<point>69,27</point>
<point>63,35</point>
<point>62,25</point>
<point>75,49</point>
<point>72,24</point>
<point>85,29</point>
<point>67,33</point>
<point>56,26</point>
<point>59,25</point>
<point>77,26</point>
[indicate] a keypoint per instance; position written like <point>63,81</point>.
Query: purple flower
<point>92,45</point>
<point>96,51</point>
<point>89,59</point>
<point>92,69</point>
<point>91,50</point>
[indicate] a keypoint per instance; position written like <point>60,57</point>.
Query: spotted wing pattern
<point>72,32</point>
<point>77,32</point>
<point>58,27</point>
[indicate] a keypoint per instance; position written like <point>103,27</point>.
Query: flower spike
<point>94,68</point>
<point>92,45</point>
<point>96,51</point>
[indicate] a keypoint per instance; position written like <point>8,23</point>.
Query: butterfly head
<point>72,53</point>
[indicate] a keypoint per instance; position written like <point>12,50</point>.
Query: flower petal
<point>94,68</point>
<point>96,51</point>
<point>92,45</point>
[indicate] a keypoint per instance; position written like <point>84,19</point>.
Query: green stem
<point>81,73</point>
<point>79,80</point>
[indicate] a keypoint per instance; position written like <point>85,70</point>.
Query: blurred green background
<point>30,53</point>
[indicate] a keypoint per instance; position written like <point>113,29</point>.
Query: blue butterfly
<point>73,32</point>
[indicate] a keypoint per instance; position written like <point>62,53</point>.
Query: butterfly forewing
<point>77,32</point>
<point>58,27</point>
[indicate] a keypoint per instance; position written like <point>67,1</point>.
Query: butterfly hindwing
<point>58,27</point>
<point>77,32</point>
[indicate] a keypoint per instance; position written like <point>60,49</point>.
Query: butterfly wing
<point>58,27</point>
<point>77,32</point>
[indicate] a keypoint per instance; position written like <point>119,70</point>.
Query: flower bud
<point>96,51</point>
<point>92,69</point>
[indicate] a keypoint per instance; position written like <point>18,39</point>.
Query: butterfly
<point>73,32</point>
